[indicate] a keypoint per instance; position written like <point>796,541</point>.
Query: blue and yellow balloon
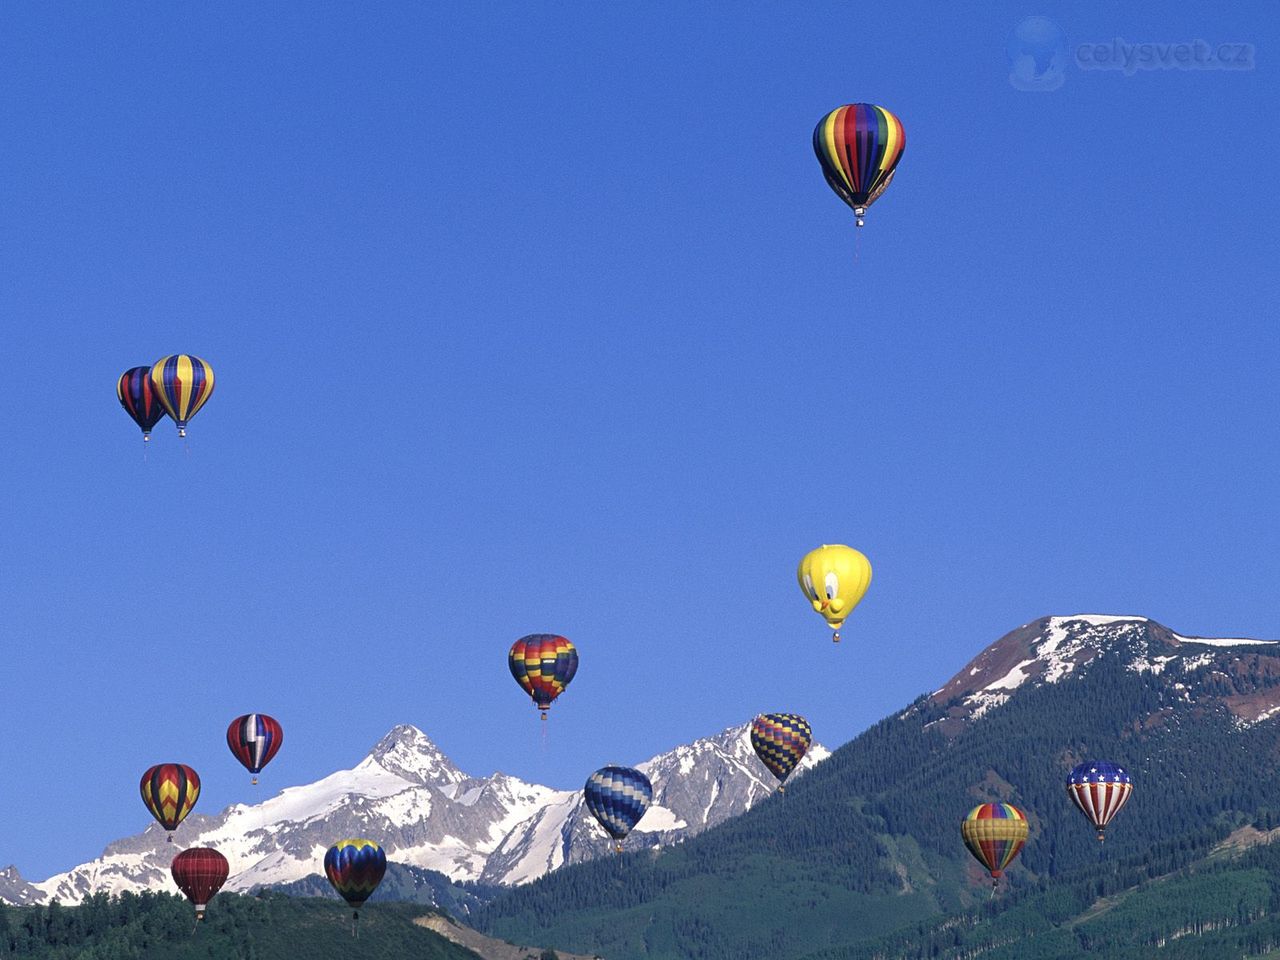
<point>183,384</point>
<point>834,579</point>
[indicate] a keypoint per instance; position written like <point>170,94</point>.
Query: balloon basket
<point>254,781</point>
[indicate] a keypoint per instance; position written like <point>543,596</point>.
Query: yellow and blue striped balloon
<point>183,384</point>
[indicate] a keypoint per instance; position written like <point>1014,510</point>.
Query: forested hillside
<point>162,927</point>
<point>868,843</point>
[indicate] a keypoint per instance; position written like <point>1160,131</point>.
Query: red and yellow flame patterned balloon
<point>170,791</point>
<point>200,873</point>
<point>859,146</point>
<point>543,663</point>
<point>780,740</point>
<point>355,868</point>
<point>184,384</point>
<point>994,834</point>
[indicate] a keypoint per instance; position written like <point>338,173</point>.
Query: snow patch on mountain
<point>427,813</point>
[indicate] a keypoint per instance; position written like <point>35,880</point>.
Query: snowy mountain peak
<point>410,754</point>
<point>1053,648</point>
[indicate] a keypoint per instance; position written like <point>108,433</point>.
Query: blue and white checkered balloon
<point>618,798</point>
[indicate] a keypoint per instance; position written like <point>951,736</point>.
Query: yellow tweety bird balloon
<point>834,578</point>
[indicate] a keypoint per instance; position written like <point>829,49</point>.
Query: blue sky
<point>541,318</point>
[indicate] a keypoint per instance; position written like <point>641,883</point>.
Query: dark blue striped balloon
<point>618,798</point>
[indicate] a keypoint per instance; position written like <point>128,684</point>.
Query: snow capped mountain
<point>1051,649</point>
<point>427,813</point>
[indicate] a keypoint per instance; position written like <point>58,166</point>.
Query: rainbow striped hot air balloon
<point>859,146</point>
<point>543,663</point>
<point>184,384</point>
<point>780,740</point>
<point>355,868</point>
<point>994,834</point>
<point>170,790</point>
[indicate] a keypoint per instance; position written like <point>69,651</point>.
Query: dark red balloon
<point>200,873</point>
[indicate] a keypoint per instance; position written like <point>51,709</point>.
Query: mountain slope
<point>868,842</point>
<point>427,814</point>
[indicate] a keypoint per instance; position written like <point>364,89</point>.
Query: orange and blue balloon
<point>543,664</point>
<point>254,739</point>
<point>780,740</point>
<point>355,867</point>
<point>859,146</point>
<point>139,399</point>
<point>184,384</point>
<point>995,834</point>
<point>618,798</point>
<point>1099,789</point>
<point>170,790</point>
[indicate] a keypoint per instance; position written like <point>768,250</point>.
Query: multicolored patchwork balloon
<point>200,873</point>
<point>355,868</point>
<point>994,834</point>
<point>254,740</point>
<point>618,797</point>
<point>780,740</point>
<point>184,384</point>
<point>543,663</point>
<point>1099,789</point>
<point>170,790</point>
<point>859,146</point>
<point>139,399</point>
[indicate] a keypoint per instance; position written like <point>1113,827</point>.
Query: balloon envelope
<point>170,790</point>
<point>355,868</point>
<point>834,579</point>
<point>994,834</point>
<point>618,797</point>
<point>139,399</point>
<point>254,739</point>
<point>200,873</point>
<point>859,146</point>
<point>184,384</point>
<point>543,664</point>
<point>780,740</point>
<point>1099,789</point>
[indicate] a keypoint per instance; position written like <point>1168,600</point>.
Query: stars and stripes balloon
<point>355,868</point>
<point>780,740</point>
<point>859,146</point>
<point>1099,789</point>
<point>994,834</point>
<point>200,873</point>
<point>254,740</point>
<point>184,384</point>
<point>618,797</point>
<point>170,791</point>
<point>139,399</point>
<point>543,664</point>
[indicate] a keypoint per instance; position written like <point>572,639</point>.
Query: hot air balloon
<point>355,868</point>
<point>200,873</point>
<point>254,740</point>
<point>184,384</point>
<point>170,791</point>
<point>994,834</point>
<point>1099,789</point>
<point>136,395</point>
<point>618,798</point>
<point>859,146</point>
<point>780,740</point>
<point>834,579</point>
<point>543,663</point>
